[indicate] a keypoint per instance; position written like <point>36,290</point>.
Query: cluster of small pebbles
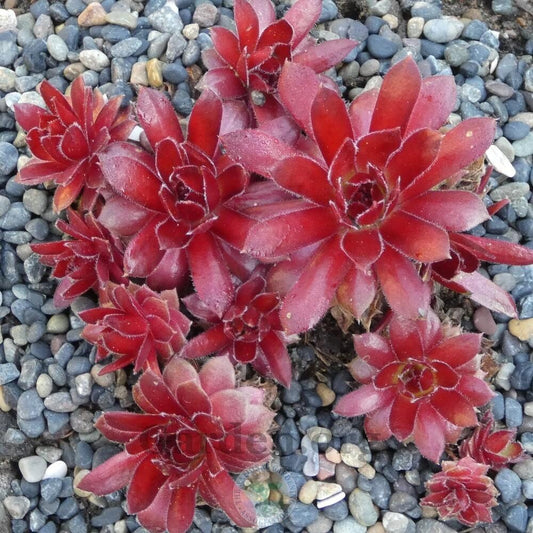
<point>325,475</point>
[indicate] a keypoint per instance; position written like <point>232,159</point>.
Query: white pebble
<point>56,470</point>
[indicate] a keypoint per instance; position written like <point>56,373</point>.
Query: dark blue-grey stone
<point>294,462</point>
<point>77,524</point>
<point>523,171</point>
<point>107,516</point>
<point>34,55</point>
<point>401,502</point>
<point>522,376</point>
<point>329,11</point>
<point>288,437</point>
<point>474,30</point>
<point>19,526</point>
<point>8,158</point>
<point>78,365</point>
<point>514,79</point>
<point>516,104</point>
<point>56,422</point>
<point>37,520</point>
<point>15,218</point>
<point>32,428</point>
<point>429,48</point>
<point>525,225</point>
<point>75,7</point>
<point>114,34</point>
<point>191,54</point>
<point>126,48</point>
<point>380,491</point>
<point>49,508</point>
<point>509,485</point>
<point>490,39</point>
<point>71,35</point>
<point>67,489</point>
<point>513,413</point>
<point>50,488</point>
<point>478,53</point>
<point>503,7</point>
<point>182,102</point>
<point>469,68</point>
<point>49,527</point>
<point>516,517</point>
<point>426,10</point>
<point>67,509</point>
<point>40,7</point>
<point>83,455</point>
<point>381,48</point>
<point>8,48</point>
<point>8,372</point>
<point>336,512</point>
<point>174,72</point>
<point>515,130</point>
<point>30,405</point>
<point>58,12</point>
<point>496,226</point>
<point>374,23</point>
<point>301,515</point>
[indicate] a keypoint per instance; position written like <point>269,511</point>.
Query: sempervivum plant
<point>462,490</point>
<point>169,198</point>
<point>246,65</point>
<point>66,138</point>
<point>137,324</point>
<point>195,428</point>
<point>492,447</point>
<point>372,201</point>
<point>89,259</point>
<point>418,385</point>
<point>249,330</point>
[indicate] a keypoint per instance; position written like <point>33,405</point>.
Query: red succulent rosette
<point>249,331</point>
<point>418,385</point>
<point>251,59</point>
<point>462,491</point>
<point>168,200</point>
<point>195,428</point>
<point>495,448</point>
<point>368,200</point>
<point>136,324</point>
<point>91,258</point>
<point>66,138</point>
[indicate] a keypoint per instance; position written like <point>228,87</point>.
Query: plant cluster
<point>277,205</point>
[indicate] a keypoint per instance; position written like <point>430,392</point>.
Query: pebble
<point>381,48</point>
<point>397,523</point>
<point>167,19</point>
<point>521,329</point>
<point>93,15</point>
<point>58,469</point>
<point>32,468</point>
<point>94,60</point>
<point>352,455</point>
<point>524,146</point>
<point>443,30</point>
<point>509,485</point>
<point>513,413</point>
<point>302,515</point>
<point>17,506</point>
<point>362,508</point>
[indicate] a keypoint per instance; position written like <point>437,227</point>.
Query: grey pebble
<point>516,517</point>
<point>509,485</point>
<point>60,402</point>
<point>29,405</point>
<point>15,218</point>
<point>51,488</point>
<point>167,19</point>
<point>33,428</point>
<point>126,48</point>
<point>17,506</point>
<point>8,157</point>
<point>513,413</point>
<point>107,516</point>
<point>443,30</point>
<point>191,54</point>
<point>301,515</point>
<point>8,48</point>
<point>8,372</point>
<point>381,48</point>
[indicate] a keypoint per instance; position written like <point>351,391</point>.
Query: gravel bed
<point>330,477</point>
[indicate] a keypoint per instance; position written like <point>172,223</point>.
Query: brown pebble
<point>93,15</point>
<point>326,394</point>
<point>154,72</point>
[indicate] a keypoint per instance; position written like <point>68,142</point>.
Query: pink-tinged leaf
<point>397,96</point>
<point>181,509</point>
<point>451,210</point>
<point>123,217</point>
<point>484,292</point>
<point>377,423</point>
<point>405,292</point>
<point>360,112</point>
<point>154,396</point>
<point>412,338</point>
<point>235,116</point>
<point>231,498</point>
<point>414,156</point>
<point>357,291</point>
<point>311,296</point>
<point>434,104</point>
<point>475,390</point>
<point>143,253</point>
<point>37,171</point>
<point>247,24</point>
<point>193,398</point>
<point>403,416</point>
<point>210,274</point>
<point>325,55</point>
<point>123,426</point>
<point>290,231</point>
<point>226,44</point>
<point>457,351</point>
<point>144,485</point>
<point>276,33</point>
<point>460,146</point>
<point>178,371</point>
<point>211,59</point>
<point>429,433</point>
<point>363,247</point>
<point>154,517</point>
<point>293,79</point>
<point>454,407</point>
<point>331,125</point>
<point>375,148</point>
<point>204,122</point>
<point>157,117</point>
<point>29,115</point>
<point>417,239</point>
<point>277,357</point>
<point>374,349</point>
<point>209,342</point>
<point>130,170</point>
<point>256,151</point>
<point>111,475</point>
<point>303,176</point>
<point>217,374</point>
<point>495,251</point>
<point>363,400</point>
<point>283,128</point>
<point>224,81</point>
<point>302,17</point>
<point>230,407</point>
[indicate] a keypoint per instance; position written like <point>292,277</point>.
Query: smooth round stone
<point>415,26</point>
<point>58,469</point>
<point>8,79</point>
<point>174,73</point>
<point>503,7</point>
<point>301,515</point>
<point>94,60</point>
<point>126,48</point>
<point>516,517</point>
<point>380,47</point>
<point>50,489</point>
<point>107,516</point>
<point>8,49</point>
<point>513,412</point>
<point>191,54</point>
<point>32,468</point>
<point>17,506</point>
<point>34,55</point>
<point>8,372</point>
<point>205,15</point>
<point>167,19</point>
<point>509,484</point>
<point>60,402</point>
<point>396,522</point>
<point>348,525</point>
<point>29,405</point>
<point>8,158</point>
<point>57,47</point>
<point>58,324</point>
<point>426,10</point>
<point>499,88</point>
<point>474,30</point>
<point>443,30</point>
<point>524,146</point>
<point>362,508</point>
